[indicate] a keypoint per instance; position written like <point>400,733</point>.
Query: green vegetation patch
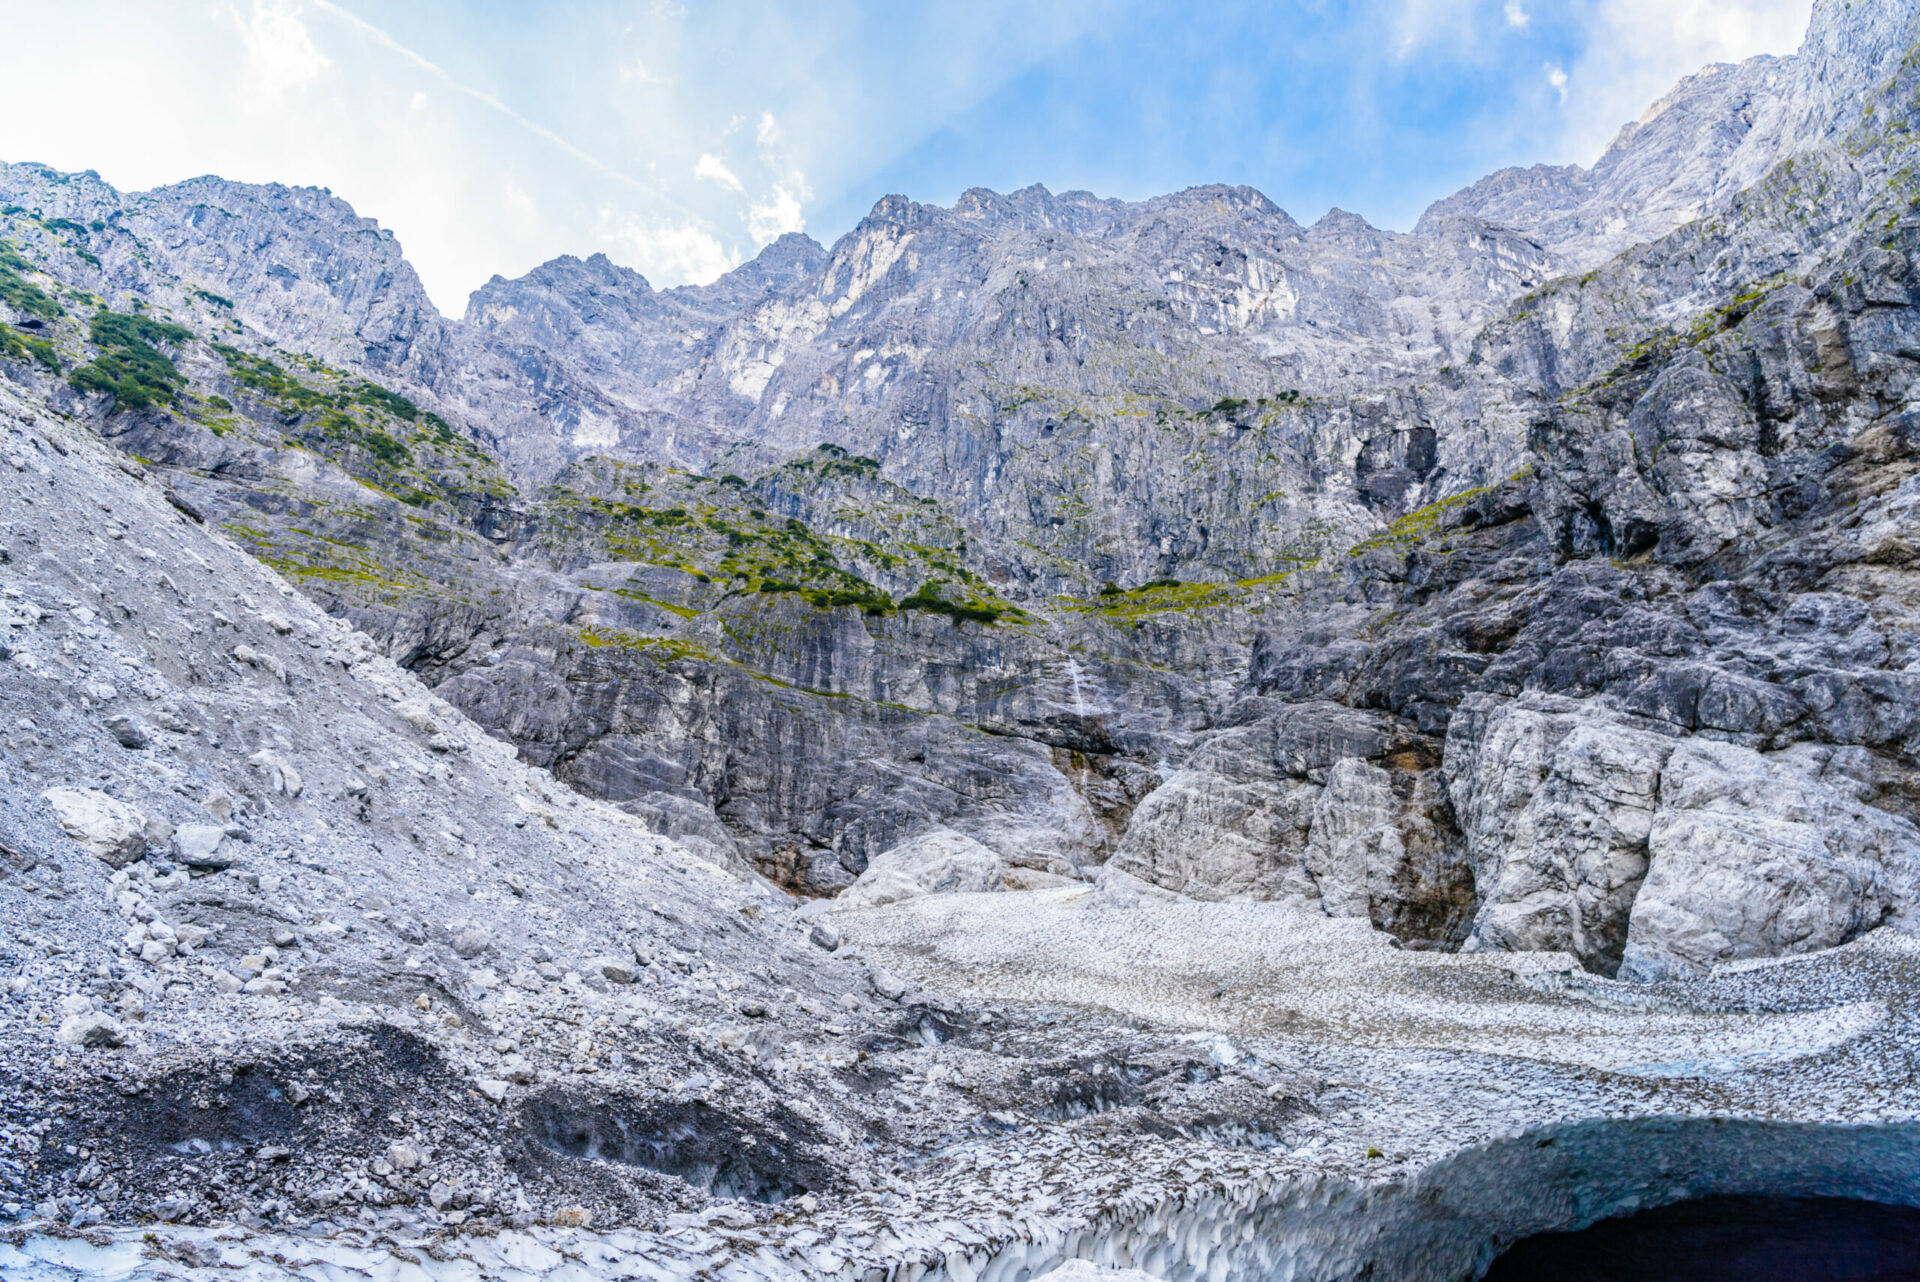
<point>1417,525</point>
<point>131,366</point>
<point>270,380</point>
<point>932,598</point>
<point>20,293</point>
<point>391,444</point>
<point>343,569</point>
<point>17,346</point>
<point>659,649</point>
<point>1157,597</point>
<point>751,554</point>
<point>685,612</point>
<point>719,530</point>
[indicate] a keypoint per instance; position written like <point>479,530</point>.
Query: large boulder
<point>203,847</point>
<point>1654,854</point>
<point>1556,798</point>
<point>1314,804</point>
<point>1763,855</point>
<point>109,830</point>
<point>1228,823</point>
<point>935,863</point>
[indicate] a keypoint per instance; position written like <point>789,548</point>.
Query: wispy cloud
<point>280,54</point>
<point>713,169</point>
<point>439,73</point>
<point>685,251</point>
<point>1635,50</point>
<point>781,211</point>
<point>1423,22</point>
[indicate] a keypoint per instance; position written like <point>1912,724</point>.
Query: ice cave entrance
<point>1751,1239</point>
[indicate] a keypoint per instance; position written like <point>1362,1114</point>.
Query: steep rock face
<point>295,263</point>
<point>1557,804</point>
<point>1689,744</point>
<point>812,787</point>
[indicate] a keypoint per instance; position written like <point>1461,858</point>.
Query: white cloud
<point>775,216</point>
<point>1638,49</point>
<point>637,72</point>
<point>1704,30</point>
<point>380,37</point>
<point>669,251</point>
<point>1423,22</point>
<point>782,209</point>
<point>1557,77</point>
<point>1516,16</point>
<point>280,54</point>
<point>713,169</point>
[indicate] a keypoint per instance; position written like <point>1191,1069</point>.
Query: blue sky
<point>678,137</point>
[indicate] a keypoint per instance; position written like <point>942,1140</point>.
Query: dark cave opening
<point>1751,1239</point>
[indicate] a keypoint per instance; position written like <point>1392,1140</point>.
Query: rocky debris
<point>251,930</point>
<point>110,830</point>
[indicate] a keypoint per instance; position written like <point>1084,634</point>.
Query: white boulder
<point>935,863</point>
<point>202,846</point>
<point>95,1029</point>
<point>108,829</point>
<point>1763,855</point>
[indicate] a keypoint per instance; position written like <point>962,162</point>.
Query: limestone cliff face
<point>1539,579</point>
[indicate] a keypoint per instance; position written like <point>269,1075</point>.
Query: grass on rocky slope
<point>1131,606</point>
<point>21,294</point>
<point>131,366</point>
<point>726,533</point>
<point>19,346</point>
<point>379,436</point>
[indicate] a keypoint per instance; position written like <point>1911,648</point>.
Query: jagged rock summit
<point>1049,730</point>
